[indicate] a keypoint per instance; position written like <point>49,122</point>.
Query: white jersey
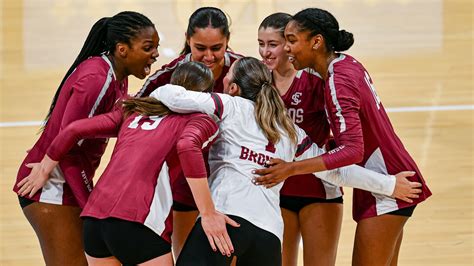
<point>242,147</point>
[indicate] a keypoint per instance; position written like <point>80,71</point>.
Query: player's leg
<point>59,231</point>
<point>376,239</point>
<point>291,233</point>
<point>394,261</point>
<point>164,260</point>
<point>110,261</point>
<point>320,229</point>
<point>183,222</point>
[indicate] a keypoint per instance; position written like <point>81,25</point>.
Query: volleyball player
<point>362,131</point>
<point>311,207</point>
<point>128,219</point>
<point>116,47</point>
<point>254,127</point>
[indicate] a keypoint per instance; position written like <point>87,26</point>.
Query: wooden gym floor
<point>419,53</point>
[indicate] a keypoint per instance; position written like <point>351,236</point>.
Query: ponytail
<point>103,37</point>
<point>270,113</point>
<point>146,106</point>
<point>254,80</point>
<point>94,45</point>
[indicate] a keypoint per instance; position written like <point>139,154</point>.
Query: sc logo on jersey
<point>296,98</point>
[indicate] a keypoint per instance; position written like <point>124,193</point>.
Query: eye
<point>215,49</point>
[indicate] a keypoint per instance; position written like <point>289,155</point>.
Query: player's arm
<point>350,151</point>
<point>106,125</point>
<point>180,100</point>
<point>199,133</point>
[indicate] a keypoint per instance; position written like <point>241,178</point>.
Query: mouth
<point>147,69</point>
<point>268,61</point>
<point>291,58</point>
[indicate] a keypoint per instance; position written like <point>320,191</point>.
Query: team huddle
<point>220,159</point>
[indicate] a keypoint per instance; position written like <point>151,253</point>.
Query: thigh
<point>291,237</point>
<point>376,239</point>
<point>198,252</point>
<point>183,222</point>
<point>59,231</point>
<point>132,242</point>
<point>320,225</point>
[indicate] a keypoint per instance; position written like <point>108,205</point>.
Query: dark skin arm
<point>279,170</point>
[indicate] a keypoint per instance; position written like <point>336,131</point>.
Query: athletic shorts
<point>130,242</point>
<point>25,201</point>
<point>407,212</point>
<point>181,207</point>
<point>252,246</point>
<point>295,204</point>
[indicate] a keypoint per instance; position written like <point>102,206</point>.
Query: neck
<point>118,68</point>
<point>283,77</point>
<point>321,64</point>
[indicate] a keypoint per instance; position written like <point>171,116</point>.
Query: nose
<point>286,47</point>
<point>155,53</point>
<point>208,54</point>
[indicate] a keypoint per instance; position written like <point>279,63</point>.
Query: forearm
<point>202,195</point>
<point>361,178</point>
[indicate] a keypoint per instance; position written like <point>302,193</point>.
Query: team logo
<point>296,98</point>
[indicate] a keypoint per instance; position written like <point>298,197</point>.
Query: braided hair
<point>319,21</point>
<point>103,38</point>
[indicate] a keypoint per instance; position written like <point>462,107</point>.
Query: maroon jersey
<point>148,156</point>
<point>163,76</point>
<point>364,135</point>
<point>90,90</point>
<point>304,101</point>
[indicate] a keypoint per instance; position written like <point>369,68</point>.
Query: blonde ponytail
<point>254,80</point>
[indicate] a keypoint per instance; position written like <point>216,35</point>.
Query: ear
<point>234,89</point>
<point>121,49</point>
<point>317,41</point>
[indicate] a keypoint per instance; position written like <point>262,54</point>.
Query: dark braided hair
<point>276,21</point>
<point>103,38</point>
<point>319,21</point>
<point>206,17</point>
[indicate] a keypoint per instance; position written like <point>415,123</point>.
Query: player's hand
<point>276,173</point>
<point>34,181</point>
<point>214,226</point>
<point>405,189</point>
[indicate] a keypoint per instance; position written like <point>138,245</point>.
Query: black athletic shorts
<point>295,204</point>
<point>253,246</point>
<point>181,207</point>
<point>408,211</point>
<point>130,242</point>
<point>25,201</point>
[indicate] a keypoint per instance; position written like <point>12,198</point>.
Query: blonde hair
<point>255,82</point>
<point>193,76</point>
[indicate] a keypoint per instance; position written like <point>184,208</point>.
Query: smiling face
<point>299,46</point>
<point>271,45</point>
<point>208,45</point>
<point>142,53</point>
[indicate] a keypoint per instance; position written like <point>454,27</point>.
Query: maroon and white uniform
<point>304,101</point>
<point>364,135</point>
<point>242,147</point>
<point>90,90</point>
<point>162,77</point>
<point>135,186</point>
